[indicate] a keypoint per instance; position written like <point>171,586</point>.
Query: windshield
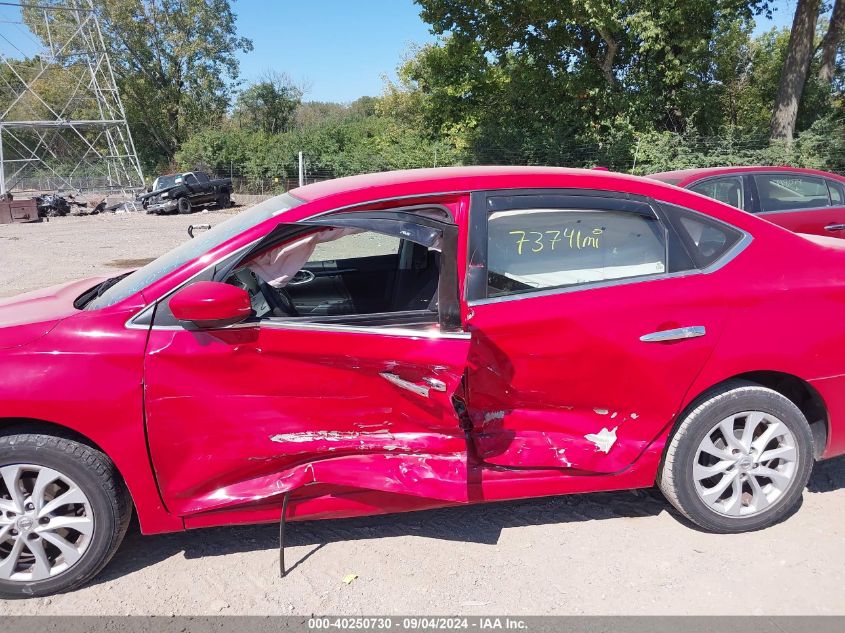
<point>165,182</point>
<point>191,249</point>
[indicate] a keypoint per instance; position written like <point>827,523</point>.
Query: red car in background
<point>409,340</point>
<point>801,200</point>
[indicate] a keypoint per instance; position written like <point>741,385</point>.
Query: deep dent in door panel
<point>283,436</point>
<point>565,381</point>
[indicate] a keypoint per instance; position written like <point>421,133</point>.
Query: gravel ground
<point>609,553</point>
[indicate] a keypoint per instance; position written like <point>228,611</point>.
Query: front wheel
<point>183,205</point>
<point>63,512</point>
<point>739,460</point>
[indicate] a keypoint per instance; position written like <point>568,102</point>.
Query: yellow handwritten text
<point>537,241</point>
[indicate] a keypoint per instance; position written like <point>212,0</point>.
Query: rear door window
<point>542,248</point>
<point>729,189</point>
<point>704,238</point>
<point>791,192</point>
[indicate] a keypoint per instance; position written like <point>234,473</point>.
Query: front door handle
<point>676,334</point>
<point>835,227</point>
<point>413,387</point>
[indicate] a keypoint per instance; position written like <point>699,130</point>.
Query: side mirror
<point>211,304</point>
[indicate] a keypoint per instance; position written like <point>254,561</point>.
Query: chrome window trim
<point>724,260</point>
<point>801,210</point>
<point>404,332</point>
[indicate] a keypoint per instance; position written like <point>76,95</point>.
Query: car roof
<point>451,179</point>
<point>682,177</point>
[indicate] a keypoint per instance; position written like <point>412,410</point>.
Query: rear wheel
<point>224,200</point>
<point>63,512</point>
<point>739,460</point>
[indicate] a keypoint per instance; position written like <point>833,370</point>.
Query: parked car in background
<point>186,192</point>
<point>801,200</point>
<point>409,340</point>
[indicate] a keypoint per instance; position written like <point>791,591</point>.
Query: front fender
<point>86,375</point>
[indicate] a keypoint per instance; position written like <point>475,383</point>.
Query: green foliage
<point>646,59</point>
<point>821,146</point>
<point>643,85</point>
<point>269,104</point>
<point>175,62</point>
<point>349,142</point>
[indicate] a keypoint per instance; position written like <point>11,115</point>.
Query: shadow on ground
<point>473,524</point>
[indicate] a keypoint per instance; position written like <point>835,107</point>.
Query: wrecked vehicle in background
<point>411,340</point>
<point>186,192</point>
<point>55,205</point>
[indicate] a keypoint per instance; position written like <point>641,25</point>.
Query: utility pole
<point>301,171</point>
<point>79,138</point>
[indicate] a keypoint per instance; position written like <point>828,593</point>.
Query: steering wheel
<point>279,300</point>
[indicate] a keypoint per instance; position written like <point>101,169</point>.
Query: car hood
<point>27,317</point>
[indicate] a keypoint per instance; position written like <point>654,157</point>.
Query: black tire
<point>183,205</point>
<point>676,480</point>
<point>97,477</point>
<point>224,201</point>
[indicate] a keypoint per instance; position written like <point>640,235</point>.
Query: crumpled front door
<point>239,416</point>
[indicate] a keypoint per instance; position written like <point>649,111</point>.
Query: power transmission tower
<point>62,122</point>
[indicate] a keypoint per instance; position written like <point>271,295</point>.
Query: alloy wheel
<point>46,523</point>
<point>745,464</point>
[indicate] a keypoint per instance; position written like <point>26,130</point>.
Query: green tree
<point>269,104</point>
<point>832,42</point>
<point>176,64</point>
<point>644,57</point>
<point>796,66</point>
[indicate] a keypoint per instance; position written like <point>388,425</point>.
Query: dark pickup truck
<point>186,192</point>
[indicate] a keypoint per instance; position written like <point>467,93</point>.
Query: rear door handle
<point>835,227</point>
<point>676,334</point>
<point>435,383</point>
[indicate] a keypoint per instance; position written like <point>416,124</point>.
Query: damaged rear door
<point>239,415</point>
<point>591,315</point>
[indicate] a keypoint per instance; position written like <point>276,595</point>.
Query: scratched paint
<point>604,439</point>
<point>329,436</point>
<point>491,416</point>
<point>561,455</point>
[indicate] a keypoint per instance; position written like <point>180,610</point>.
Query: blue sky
<point>341,49</point>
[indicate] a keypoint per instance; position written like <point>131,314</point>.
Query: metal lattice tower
<point>62,122</point>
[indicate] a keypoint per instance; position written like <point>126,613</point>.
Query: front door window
<point>342,272</point>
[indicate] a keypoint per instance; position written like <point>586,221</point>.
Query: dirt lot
<point>611,553</point>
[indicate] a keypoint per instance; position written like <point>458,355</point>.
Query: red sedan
<point>417,339</point>
<point>801,200</point>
